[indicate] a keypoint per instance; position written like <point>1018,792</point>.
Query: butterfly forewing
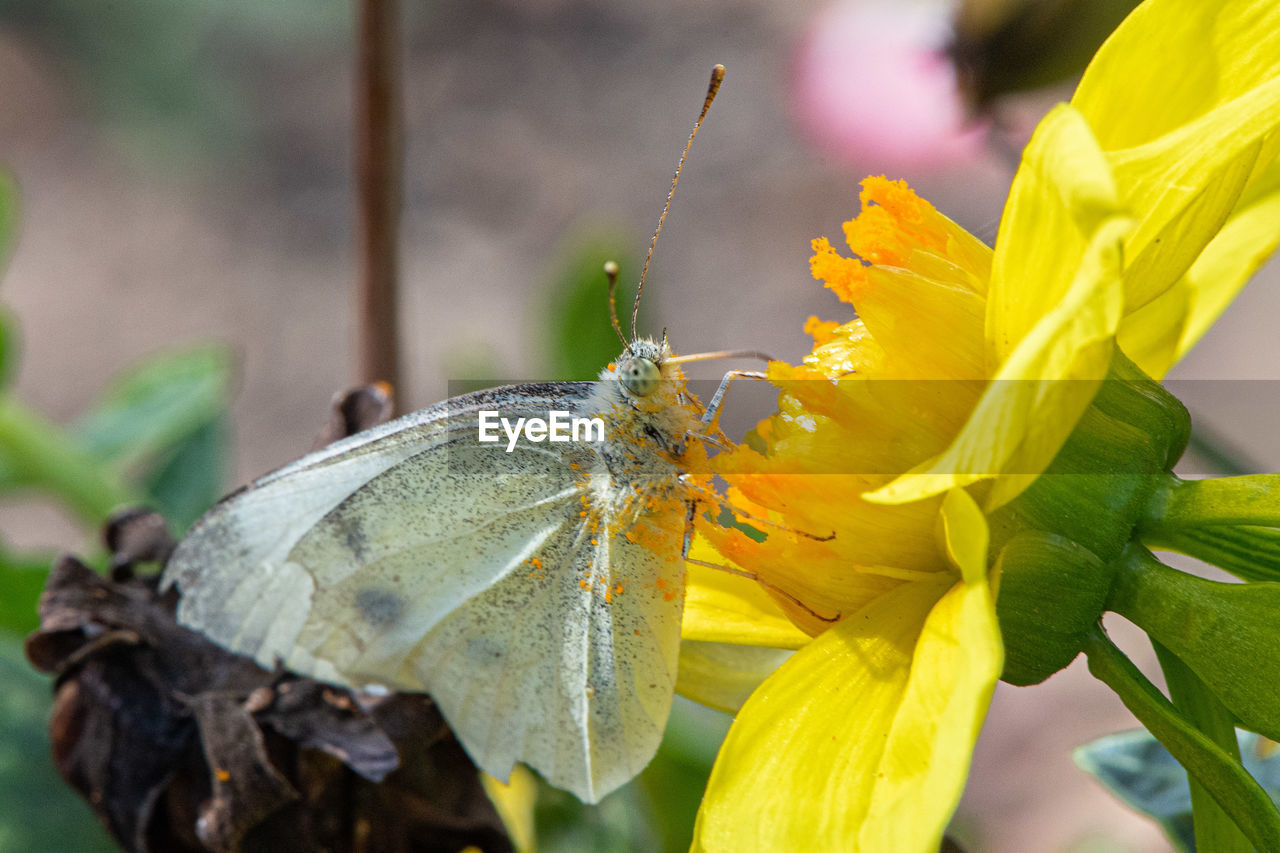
<point>523,590</point>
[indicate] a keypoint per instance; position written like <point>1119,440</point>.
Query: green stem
<point>1251,499</point>
<point>39,454</point>
<point>1213,827</point>
<point>1227,782</point>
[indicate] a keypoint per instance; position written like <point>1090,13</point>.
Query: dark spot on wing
<point>352,531</point>
<point>379,606</point>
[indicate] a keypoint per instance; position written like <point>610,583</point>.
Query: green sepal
<point>1131,396</point>
<point>1252,499</point>
<point>1052,592</point>
<point>1248,552</point>
<point>1224,632</point>
<point>1101,483</point>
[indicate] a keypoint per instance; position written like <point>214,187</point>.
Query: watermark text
<point>558,426</point>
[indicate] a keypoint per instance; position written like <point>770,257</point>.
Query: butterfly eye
<point>640,376</point>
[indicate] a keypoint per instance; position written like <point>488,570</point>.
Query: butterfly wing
<point>420,559</point>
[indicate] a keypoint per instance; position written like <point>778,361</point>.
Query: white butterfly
<point>536,594</point>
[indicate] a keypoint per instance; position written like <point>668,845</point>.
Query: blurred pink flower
<point>873,86</point>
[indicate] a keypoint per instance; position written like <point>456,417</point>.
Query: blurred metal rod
<point>378,151</point>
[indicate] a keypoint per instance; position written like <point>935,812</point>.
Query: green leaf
<point>1225,632</point>
<point>677,776</point>
<point>581,336</point>
<point>38,454</point>
<point>38,812</point>
<point>22,578</point>
<point>156,405</point>
<point>190,480</point>
<point>8,215</point>
<point>1230,785</point>
<point>8,348</point>
<point>1214,829</point>
<point>1140,771</point>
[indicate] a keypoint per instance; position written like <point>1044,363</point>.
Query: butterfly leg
<point>774,588</point>
<point>713,408</point>
<point>708,439</point>
<point>719,500</point>
<point>690,515</point>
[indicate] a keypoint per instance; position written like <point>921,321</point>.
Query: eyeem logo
<point>557,426</point>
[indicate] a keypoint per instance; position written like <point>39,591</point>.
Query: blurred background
<point>184,177</point>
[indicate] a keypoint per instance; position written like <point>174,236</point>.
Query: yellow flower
<point>1139,211</point>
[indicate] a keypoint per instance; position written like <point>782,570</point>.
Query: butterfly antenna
<point>717,77</point>
<point>611,271</point>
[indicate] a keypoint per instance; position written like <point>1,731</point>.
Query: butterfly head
<point>641,371</point>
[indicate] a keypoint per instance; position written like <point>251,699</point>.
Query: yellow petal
<point>933,327</point>
<point>720,675</point>
<point>1245,242</point>
<point>957,661</point>
<point>1039,393</point>
<point>723,608</point>
<point>1184,185</point>
<point>1061,196</point>
<point>1053,342</point>
<point>964,531</point>
<point>514,802</point>
<point>1184,145</point>
<point>800,765</point>
<point>1227,47</point>
<point>1164,330</point>
<point>1150,335</point>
